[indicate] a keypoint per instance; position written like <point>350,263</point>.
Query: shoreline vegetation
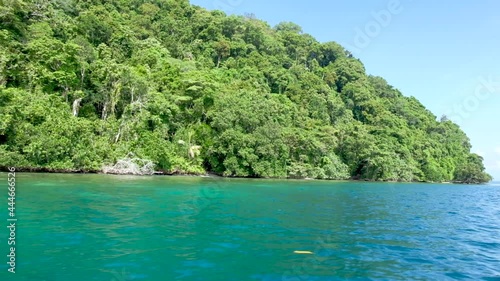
<point>173,87</point>
<point>208,174</point>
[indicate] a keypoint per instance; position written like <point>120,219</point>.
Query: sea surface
<point>120,228</point>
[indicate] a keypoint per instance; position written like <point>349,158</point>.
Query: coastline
<point>43,170</point>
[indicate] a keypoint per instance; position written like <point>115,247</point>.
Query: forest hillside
<point>84,84</point>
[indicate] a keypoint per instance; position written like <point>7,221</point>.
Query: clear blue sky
<point>445,53</point>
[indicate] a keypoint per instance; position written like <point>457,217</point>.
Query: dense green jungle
<point>185,90</point>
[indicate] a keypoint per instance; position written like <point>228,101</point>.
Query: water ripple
<point>93,227</point>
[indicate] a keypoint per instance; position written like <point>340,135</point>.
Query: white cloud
<point>497,150</point>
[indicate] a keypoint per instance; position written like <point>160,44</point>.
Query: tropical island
<point>86,85</point>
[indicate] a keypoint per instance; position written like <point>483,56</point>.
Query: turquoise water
<point>97,227</point>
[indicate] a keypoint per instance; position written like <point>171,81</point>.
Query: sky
<point>444,53</point>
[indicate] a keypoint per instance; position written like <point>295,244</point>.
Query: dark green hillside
<point>85,83</point>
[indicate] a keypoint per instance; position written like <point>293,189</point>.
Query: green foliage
<point>85,83</point>
<point>472,171</point>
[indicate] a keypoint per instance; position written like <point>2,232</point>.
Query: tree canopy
<point>86,83</point>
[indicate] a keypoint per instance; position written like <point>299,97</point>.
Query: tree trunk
<point>76,106</point>
<point>105,111</point>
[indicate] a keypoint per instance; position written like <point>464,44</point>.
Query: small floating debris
<point>303,252</point>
